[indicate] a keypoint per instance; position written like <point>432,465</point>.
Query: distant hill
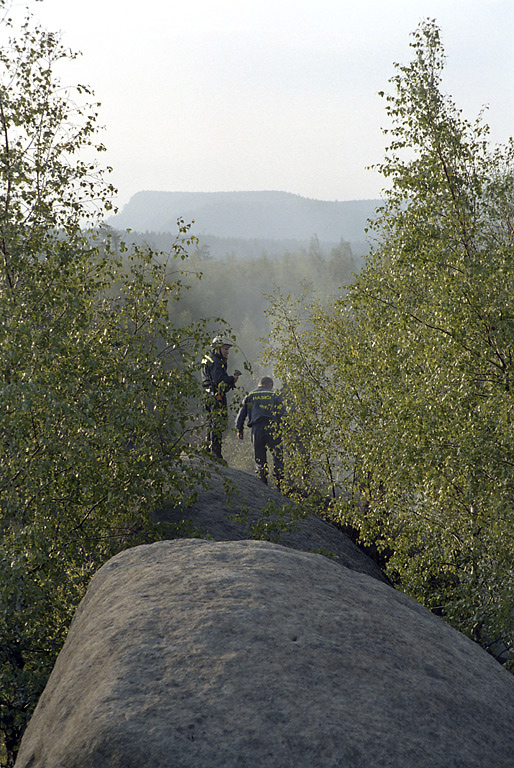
<point>247,215</point>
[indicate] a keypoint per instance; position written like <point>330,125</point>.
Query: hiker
<point>217,383</point>
<point>264,409</point>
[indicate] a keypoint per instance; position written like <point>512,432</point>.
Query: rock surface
<point>231,509</point>
<point>248,654</point>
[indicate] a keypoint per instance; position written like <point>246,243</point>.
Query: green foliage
<point>96,384</point>
<point>271,522</point>
<point>404,386</point>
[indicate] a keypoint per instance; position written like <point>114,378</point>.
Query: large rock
<point>196,653</point>
<point>236,505</point>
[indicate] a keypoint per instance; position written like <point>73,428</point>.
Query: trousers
<point>217,422</point>
<point>266,435</point>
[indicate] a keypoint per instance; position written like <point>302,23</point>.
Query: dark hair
<point>266,381</point>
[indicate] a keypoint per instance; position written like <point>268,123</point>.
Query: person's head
<point>266,382</point>
<point>222,346</point>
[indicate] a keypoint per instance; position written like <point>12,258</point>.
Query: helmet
<point>220,341</point>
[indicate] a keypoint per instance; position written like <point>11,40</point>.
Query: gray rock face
<point>194,653</point>
<point>235,515</point>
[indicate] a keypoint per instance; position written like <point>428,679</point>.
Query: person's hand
<point>240,435</point>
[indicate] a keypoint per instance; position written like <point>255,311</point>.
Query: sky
<point>232,95</point>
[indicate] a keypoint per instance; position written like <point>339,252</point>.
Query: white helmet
<point>220,341</point>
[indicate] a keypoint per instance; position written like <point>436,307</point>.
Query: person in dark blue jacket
<point>216,383</point>
<point>264,409</point>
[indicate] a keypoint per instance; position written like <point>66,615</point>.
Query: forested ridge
<point>251,215</point>
<point>397,374</point>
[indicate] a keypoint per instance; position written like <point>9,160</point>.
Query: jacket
<point>260,405</point>
<point>215,378</point>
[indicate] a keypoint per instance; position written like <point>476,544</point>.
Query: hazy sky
<point>215,95</point>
